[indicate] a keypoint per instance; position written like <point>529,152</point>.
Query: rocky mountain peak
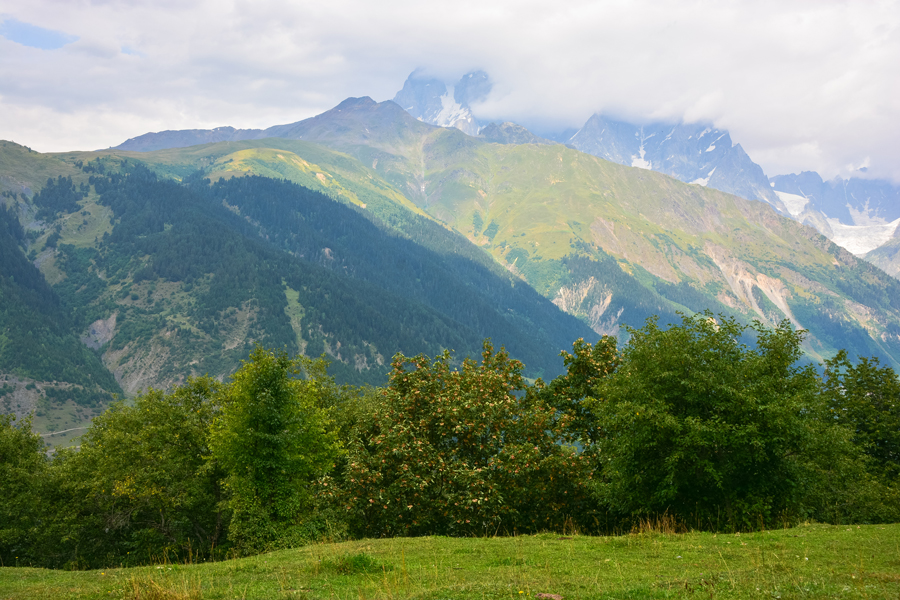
<point>472,87</point>
<point>361,102</point>
<point>432,101</point>
<point>695,153</point>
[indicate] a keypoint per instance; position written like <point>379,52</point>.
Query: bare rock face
<point>589,300</point>
<point>19,396</point>
<point>100,332</point>
<point>747,285</point>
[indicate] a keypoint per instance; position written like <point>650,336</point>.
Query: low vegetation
<point>688,426</point>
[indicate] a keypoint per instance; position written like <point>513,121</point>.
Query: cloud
<point>802,86</point>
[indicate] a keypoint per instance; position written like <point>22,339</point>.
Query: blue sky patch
<point>34,36</point>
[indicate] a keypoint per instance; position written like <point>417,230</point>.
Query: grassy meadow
<point>809,561</point>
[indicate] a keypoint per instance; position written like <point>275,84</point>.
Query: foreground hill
<point>809,560</point>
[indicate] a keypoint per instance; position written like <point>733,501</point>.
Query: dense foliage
<point>142,486</point>
<point>866,398</point>
<point>22,467</point>
<point>461,452</point>
<point>587,366</point>
<point>271,439</point>
<point>186,475</point>
<point>695,423</point>
<point>58,196</point>
<point>689,421</point>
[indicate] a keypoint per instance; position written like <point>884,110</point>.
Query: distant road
<point>63,431</point>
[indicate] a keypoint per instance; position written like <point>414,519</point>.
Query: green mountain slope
<point>168,278</point>
<point>442,240</point>
<point>565,220</point>
<point>45,367</point>
<point>24,171</point>
<point>887,257</point>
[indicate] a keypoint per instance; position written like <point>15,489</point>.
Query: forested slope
<point>37,338</point>
<point>173,277</point>
<point>253,253</point>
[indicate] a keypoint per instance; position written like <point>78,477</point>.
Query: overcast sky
<point>800,85</point>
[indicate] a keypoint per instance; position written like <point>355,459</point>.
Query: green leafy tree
<point>23,464</point>
<point>720,435</point>
<point>142,486</point>
<point>273,439</point>
<point>586,367</point>
<point>461,452</point>
<point>866,398</point>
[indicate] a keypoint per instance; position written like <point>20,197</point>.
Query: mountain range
<point>862,215</point>
<point>364,231</point>
<point>858,214</point>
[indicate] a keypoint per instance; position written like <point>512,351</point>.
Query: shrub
<point>866,398</point>
<point>461,452</point>
<point>22,467</point>
<point>719,435</point>
<point>141,486</point>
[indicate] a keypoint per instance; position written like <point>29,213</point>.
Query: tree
<point>461,452</point>
<point>866,398</point>
<point>722,436</point>
<point>142,485</point>
<point>586,367</point>
<point>22,467</point>
<point>273,440</point>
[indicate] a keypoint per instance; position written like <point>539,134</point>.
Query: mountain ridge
<point>611,245</point>
<point>449,175</point>
<point>303,129</point>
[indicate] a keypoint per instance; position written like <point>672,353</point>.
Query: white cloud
<point>802,86</point>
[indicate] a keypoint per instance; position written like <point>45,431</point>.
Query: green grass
<point>811,561</point>
<point>67,422</point>
<point>84,228</point>
<point>21,167</point>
